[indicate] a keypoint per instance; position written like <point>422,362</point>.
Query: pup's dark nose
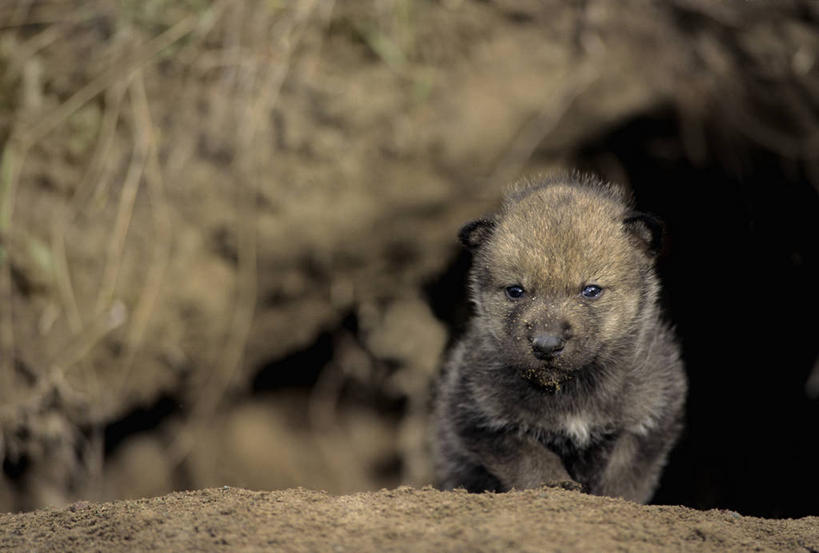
<point>546,345</point>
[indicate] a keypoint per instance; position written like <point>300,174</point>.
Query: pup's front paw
<point>566,485</point>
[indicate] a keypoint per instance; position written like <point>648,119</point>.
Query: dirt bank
<point>228,229</point>
<point>404,519</point>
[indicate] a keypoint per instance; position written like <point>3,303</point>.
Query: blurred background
<point>227,229</point>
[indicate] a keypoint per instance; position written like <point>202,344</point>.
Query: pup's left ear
<point>647,229</point>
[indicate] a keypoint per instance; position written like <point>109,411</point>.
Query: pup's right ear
<point>474,233</point>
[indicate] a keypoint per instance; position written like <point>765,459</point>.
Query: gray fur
<point>606,409</point>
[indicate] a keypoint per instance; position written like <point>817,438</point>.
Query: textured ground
<point>404,519</point>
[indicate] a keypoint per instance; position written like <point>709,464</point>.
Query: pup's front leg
<point>520,462</point>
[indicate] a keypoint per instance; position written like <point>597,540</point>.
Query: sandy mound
<point>404,519</point>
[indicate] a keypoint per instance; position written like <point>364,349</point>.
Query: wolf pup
<point>567,374</point>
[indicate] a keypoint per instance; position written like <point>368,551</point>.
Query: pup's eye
<point>591,291</point>
<point>515,292</point>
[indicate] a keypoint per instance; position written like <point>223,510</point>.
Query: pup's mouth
<point>546,377</point>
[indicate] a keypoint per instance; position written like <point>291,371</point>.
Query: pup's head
<point>562,276</point>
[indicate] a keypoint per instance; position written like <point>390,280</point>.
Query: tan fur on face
<point>559,239</point>
<point>553,241</point>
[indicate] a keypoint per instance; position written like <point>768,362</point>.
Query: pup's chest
<point>578,431</point>
<point>576,427</point>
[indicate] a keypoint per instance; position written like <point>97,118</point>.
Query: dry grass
<point>253,45</point>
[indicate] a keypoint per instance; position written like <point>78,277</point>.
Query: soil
<point>404,519</point>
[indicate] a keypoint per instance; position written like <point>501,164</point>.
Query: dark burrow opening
<point>738,270</point>
<point>302,369</point>
<point>142,418</point>
<point>299,369</point>
<point>738,267</point>
<point>447,294</point>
